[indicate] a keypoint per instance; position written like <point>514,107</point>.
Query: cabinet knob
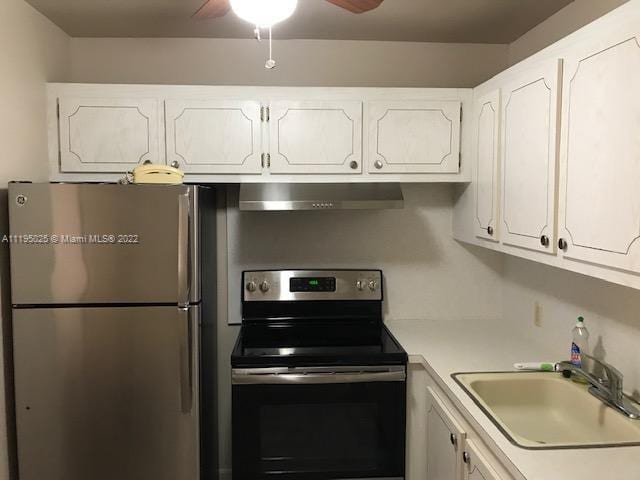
<point>562,244</point>
<point>544,241</point>
<point>466,458</point>
<point>490,230</point>
<point>251,286</point>
<point>353,164</point>
<point>175,164</point>
<point>453,439</point>
<point>377,164</point>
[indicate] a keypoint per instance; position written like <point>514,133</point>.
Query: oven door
<point>319,423</point>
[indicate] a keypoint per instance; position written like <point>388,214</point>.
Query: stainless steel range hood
<point>315,196</point>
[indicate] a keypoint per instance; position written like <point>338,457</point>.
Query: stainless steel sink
<point>543,410</point>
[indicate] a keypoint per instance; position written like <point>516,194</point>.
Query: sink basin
<point>543,410</point>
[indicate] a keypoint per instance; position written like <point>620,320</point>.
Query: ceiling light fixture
<point>264,14</point>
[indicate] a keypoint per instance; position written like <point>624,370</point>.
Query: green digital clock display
<point>312,284</point>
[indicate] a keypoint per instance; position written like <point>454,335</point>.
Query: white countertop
<point>447,347</point>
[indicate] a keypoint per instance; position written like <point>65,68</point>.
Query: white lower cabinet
<point>111,135</point>
<point>414,136</point>
<point>441,445</point>
<point>315,137</point>
<point>477,466</point>
<point>445,440</point>
<point>214,136</point>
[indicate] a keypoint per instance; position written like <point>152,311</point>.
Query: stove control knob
<point>251,286</point>
<point>373,285</point>
<point>360,285</point>
<point>264,286</point>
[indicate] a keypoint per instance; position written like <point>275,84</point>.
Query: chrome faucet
<point>609,390</point>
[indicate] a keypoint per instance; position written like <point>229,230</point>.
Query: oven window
<point>317,432</point>
<point>320,437</point>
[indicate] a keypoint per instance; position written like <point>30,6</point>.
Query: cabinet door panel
<point>214,136</point>
<point>315,137</point>
<point>529,157</point>
<point>414,137</point>
<point>487,178</point>
<point>600,157</point>
<point>478,467</point>
<point>107,134</point>
<point>445,439</point>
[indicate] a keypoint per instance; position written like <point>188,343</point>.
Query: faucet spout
<point>608,390</point>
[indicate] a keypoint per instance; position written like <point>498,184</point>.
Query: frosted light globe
<point>264,13</point>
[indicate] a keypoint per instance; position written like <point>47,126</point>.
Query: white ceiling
<point>456,21</point>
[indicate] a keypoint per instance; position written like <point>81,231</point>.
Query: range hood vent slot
<point>315,196</point>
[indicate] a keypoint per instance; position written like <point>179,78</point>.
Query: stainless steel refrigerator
<point>113,293</point>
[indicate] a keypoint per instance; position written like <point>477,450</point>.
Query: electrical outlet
<point>537,314</point>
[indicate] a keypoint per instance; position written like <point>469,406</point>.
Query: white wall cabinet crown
<point>214,136</point>
<point>107,134</point>
<point>258,134</point>
<point>414,137</point>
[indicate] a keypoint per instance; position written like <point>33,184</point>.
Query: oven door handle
<point>243,378</point>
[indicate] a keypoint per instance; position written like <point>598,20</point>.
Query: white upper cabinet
<point>315,137</point>
<point>214,136</point>
<point>600,156</point>
<point>486,113</point>
<point>107,134</point>
<point>529,157</point>
<point>414,136</point>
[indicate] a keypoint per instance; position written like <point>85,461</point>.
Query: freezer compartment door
<point>93,244</point>
<point>107,393</point>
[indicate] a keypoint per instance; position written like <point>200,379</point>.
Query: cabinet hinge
<point>459,159</point>
<point>58,109</point>
<point>460,113</point>
<point>266,160</point>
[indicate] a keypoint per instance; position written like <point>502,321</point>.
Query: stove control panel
<point>294,285</point>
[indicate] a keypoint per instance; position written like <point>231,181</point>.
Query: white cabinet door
<point>108,134</point>
<point>315,137</point>
<point>478,467</point>
<point>445,440</point>
<point>414,136</point>
<point>214,136</point>
<point>600,156</point>
<point>486,113</point>
<point>529,158</point>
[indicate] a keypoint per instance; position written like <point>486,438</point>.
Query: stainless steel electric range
<point>319,383</point>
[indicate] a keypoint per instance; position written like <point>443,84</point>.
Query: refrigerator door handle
<point>186,361</point>
<point>184,267</point>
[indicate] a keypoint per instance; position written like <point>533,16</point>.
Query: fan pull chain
<point>271,63</point>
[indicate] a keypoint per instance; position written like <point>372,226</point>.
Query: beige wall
<point>33,52</point>
<point>569,19</point>
<point>300,62</point>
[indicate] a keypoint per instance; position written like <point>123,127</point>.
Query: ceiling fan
<point>266,13</point>
<point>219,8</point>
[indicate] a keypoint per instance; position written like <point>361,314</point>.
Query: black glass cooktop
<point>278,344</point>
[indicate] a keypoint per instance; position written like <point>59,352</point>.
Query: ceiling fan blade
<point>212,9</point>
<point>357,6</point>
